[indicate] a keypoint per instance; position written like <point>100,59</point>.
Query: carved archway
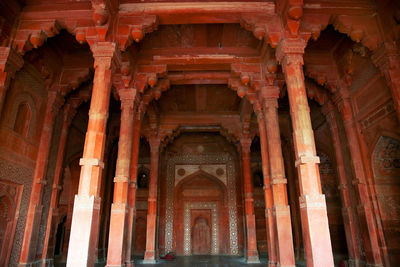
<point>197,195</point>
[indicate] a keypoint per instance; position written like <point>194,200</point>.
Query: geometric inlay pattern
<point>188,230</point>
<point>204,159</point>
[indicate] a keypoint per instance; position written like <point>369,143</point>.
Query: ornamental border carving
<point>215,158</point>
<point>187,246</point>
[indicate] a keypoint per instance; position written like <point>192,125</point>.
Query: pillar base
<point>253,259</point>
<point>149,261</point>
<point>271,264</point>
<point>374,265</point>
<point>130,263</point>
<point>355,263</point>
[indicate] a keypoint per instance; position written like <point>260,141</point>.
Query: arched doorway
<point>200,213</point>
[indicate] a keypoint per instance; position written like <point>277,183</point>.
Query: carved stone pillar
<point>119,208</point>
<point>10,63</point>
<point>85,218</point>
<point>51,227</point>
<point>317,241</point>
<point>270,223</point>
<point>252,253</point>
<point>364,208</point>
<point>281,209</point>
<point>29,243</point>
<point>150,254</point>
<point>348,216</point>
<point>387,59</point>
<point>132,189</point>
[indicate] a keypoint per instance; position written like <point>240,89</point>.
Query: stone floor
<point>199,261</point>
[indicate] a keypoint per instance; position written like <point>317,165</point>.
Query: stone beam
<point>198,12</point>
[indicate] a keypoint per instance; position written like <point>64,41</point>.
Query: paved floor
<point>198,261</point>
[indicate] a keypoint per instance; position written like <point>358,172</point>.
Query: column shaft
<point>51,227</point>
<point>85,219</point>
<point>281,209</point>
<point>150,254</point>
<point>270,223</point>
<point>29,243</point>
<point>347,212</point>
<point>252,253</point>
<point>364,207</point>
<point>132,191</point>
<point>314,217</point>
<point>119,208</point>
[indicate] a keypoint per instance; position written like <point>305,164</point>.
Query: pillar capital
<point>54,101</point>
<point>290,51</point>
<point>245,143</point>
<point>10,60</point>
<point>328,108</point>
<point>386,57</point>
<point>105,55</point>
<point>154,142</point>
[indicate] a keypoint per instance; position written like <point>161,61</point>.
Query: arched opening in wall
<point>386,168</point>
<point>23,119</point>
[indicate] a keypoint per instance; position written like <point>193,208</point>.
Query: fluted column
<point>85,218</point>
<point>364,205</point>
<point>132,189</point>
<point>252,253</point>
<point>51,227</point>
<point>150,254</point>
<point>348,217</point>
<point>317,241</point>
<point>10,63</point>
<point>29,243</point>
<point>119,207</point>
<point>267,187</point>
<point>281,209</point>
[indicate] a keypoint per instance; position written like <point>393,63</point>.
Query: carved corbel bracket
<point>291,12</point>
<point>134,28</point>
<point>148,75</point>
<point>33,33</point>
<point>268,28</point>
<point>362,29</point>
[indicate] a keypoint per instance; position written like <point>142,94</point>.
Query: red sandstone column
<point>364,207</point>
<point>119,208</point>
<point>85,218</point>
<point>10,63</point>
<point>149,256</point>
<point>49,241</point>
<point>317,241</point>
<point>267,186</point>
<point>132,190</point>
<point>348,217</point>
<point>281,209</point>
<point>252,253</point>
<point>387,58</point>
<point>29,243</point>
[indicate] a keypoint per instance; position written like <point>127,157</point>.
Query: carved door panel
<point>201,232</point>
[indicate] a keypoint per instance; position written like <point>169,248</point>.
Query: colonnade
<point>315,229</point>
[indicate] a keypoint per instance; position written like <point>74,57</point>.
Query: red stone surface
<point>295,79</point>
